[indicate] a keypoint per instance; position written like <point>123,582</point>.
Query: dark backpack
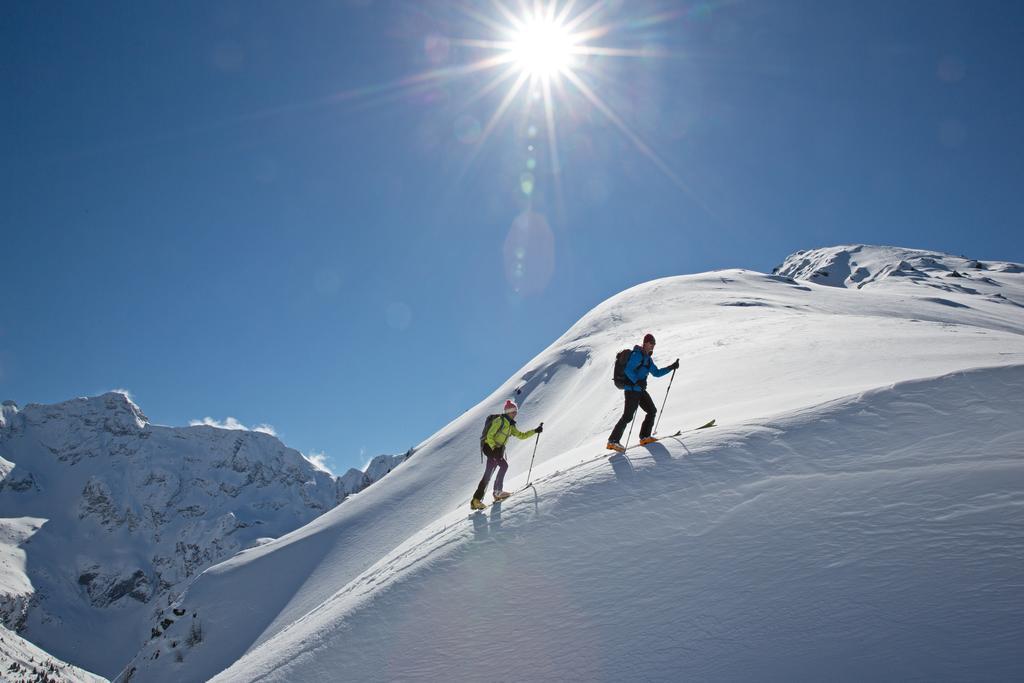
<point>619,375</point>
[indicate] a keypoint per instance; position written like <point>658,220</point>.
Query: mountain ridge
<point>107,517</point>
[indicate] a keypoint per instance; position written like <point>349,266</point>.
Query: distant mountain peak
<point>114,407</point>
<point>130,512</point>
<point>860,265</point>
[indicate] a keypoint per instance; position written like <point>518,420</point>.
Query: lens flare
<point>529,254</point>
<point>526,182</point>
<point>552,65</point>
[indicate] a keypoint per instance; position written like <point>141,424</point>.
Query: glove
<point>539,428</point>
<point>674,366</point>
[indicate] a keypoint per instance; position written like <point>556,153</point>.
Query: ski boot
<point>476,504</point>
<point>646,440</point>
<point>615,446</point>
<point>500,496</point>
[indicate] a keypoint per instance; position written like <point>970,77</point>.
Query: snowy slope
<point>15,587</point>
<point>853,484</point>
<point>862,540</point>
<point>104,518</point>
<point>23,662</point>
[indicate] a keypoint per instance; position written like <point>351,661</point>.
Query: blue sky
<point>250,209</point>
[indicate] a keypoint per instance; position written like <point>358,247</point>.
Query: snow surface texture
<point>16,593</point>
<point>105,518</point>
<point>23,662</point>
<point>859,513</point>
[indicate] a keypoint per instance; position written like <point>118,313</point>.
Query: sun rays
<point>549,54</point>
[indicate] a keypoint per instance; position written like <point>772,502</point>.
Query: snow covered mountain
<point>104,517</point>
<point>858,513</point>
<point>23,662</point>
<point>860,266</point>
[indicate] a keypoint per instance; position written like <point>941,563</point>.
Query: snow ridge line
<point>797,416</point>
<point>802,413</point>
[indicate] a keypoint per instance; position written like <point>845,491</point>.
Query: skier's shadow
<point>495,525</point>
<point>679,440</point>
<point>480,531</point>
<point>659,453</point>
<point>622,466</point>
<point>484,526</point>
<point>536,498</point>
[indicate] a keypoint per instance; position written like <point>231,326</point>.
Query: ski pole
<point>630,430</point>
<point>672,379</point>
<point>531,459</point>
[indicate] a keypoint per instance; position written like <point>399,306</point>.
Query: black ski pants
<point>634,399</point>
<point>495,461</point>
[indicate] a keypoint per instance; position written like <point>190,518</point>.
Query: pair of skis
<point>709,423</point>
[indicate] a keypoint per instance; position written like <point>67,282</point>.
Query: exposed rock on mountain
<point>106,517</point>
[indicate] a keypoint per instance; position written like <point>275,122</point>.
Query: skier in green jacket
<point>493,446</point>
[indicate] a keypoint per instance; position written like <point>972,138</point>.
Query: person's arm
<point>663,371</point>
<point>631,366</point>
<point>522,435</point>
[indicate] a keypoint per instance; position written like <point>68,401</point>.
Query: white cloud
<point>265,429</point>
<point>319,461</point>
<point>232,423</point>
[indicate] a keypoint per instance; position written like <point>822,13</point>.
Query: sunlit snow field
<point>857,512</point>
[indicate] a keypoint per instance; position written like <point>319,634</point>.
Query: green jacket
<point>501,428</point>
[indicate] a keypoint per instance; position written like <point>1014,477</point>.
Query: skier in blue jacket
<point>637,368</point>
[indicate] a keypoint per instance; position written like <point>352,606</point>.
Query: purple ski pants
<point>495,461</point>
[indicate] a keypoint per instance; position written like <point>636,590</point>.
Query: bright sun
<point>542,48</point>
<point>550,56</point>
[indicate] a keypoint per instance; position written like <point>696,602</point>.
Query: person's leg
<point>499,481</point>
<point>629,409</point>
<point>491,462</point>
<point>647,403</point>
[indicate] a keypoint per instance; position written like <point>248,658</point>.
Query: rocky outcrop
<point>21,661</point>
<point>355,480</point>
<point>136,510</point>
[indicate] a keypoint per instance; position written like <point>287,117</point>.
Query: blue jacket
<point>637,367</point>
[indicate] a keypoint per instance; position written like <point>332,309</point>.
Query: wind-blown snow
<point>232,423</point>
<point>7,412</point>
<point>858,513</point>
